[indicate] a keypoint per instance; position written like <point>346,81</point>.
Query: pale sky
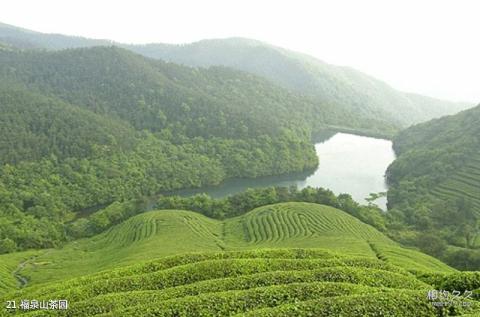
<point>425,46</point>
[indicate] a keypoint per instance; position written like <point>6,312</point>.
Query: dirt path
<point>22,280</point>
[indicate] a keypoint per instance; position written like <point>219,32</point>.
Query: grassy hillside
<point>167,232</point>
<point>281,282</point>
<point>264,263</point>
<point>10,266</point>
<point>435,181</point>
<point>302,225</point>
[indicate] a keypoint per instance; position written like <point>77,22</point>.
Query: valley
<point>347,164</point>
<point>228,177</point>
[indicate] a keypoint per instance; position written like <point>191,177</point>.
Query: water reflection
<point>348,164</point>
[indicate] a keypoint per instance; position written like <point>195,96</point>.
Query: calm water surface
<point>348,164</point>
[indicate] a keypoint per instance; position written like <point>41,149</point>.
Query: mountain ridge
<point>296,71</point>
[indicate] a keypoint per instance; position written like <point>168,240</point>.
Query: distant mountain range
<point>326,84</point>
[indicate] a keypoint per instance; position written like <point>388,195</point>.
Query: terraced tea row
<point>10,265</point>
<point>410,259</point>
<point>198,271</point>
<point>388,303</point>
<point>263,283</point>
<point>464,183</point>
<point>302,220</point>
<point>161,233</point>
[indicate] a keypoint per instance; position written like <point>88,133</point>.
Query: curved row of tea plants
<point>257,282</point>
<point>156,234</point>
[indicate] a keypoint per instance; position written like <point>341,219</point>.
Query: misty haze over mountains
<point>327,84</point>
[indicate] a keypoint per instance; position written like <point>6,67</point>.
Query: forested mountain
<point>435,184</point>
<point>343,87</point>
<point>362,94</point>
<point>146,93</point>
<point>85,127</point>
<point>27,39</point>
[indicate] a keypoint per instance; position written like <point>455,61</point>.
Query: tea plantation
<point>290,259</point>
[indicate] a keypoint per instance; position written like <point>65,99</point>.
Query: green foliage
<point>461,281</point>
<point>84,128</point>
<point>105,218</point>
<point>341,90</point>
<point>243,202</point>
<point>392,303</point>
<point>462,258</point>
<point>218,303</point>
<point>341,87</point>
<point>7,245</point>
<point>431,244</point>
<point>434,187</point>
<point>169,232</point>
<point>258,282</point>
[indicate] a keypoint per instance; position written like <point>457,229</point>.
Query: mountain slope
<point>441,152</point>
<point>345,86</point>
<point>82,128</point>
<point>435,180</point>
<point>76,74</point>
<point>167,232</point>
<point>27,39</point>
<point>250,277</point>
<point>34,126</point>
<point>341,87</point>
<point>254,283</point>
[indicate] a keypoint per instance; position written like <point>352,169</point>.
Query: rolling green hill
<point>88,133</point>
<point>435,181</point>
<point>168,232</point>
<point>303,282</point>
<point>264,263</point>
<point>302,225</point>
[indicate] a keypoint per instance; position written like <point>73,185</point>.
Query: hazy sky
<point>425,46</point>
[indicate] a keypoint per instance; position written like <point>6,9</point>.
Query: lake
<point>349,164</point>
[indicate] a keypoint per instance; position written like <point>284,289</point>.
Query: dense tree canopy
<point>435,186</point>
<point>342,87</point>
<point>231,206</point>
<point>87,127</point>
